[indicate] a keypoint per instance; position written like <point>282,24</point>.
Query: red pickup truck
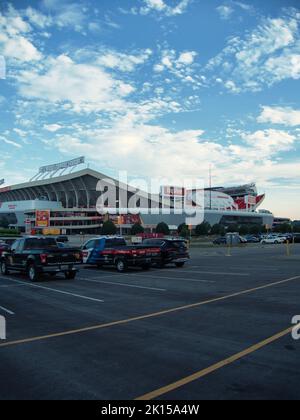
<point>113,251</point>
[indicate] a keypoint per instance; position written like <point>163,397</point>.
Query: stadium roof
<point>55,180</point>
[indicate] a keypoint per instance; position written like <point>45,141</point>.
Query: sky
<point>156,88</point>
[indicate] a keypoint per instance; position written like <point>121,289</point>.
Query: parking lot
<point>220,328</point>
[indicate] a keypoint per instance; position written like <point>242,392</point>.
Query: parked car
<point>296,238</point>
<point>61,244</point>
<point>242,240</point>
<point>272,239</point>
<point>220,241</point>
<point>113,251</point>
<point>37,255</point>
<point>3,247</point>
<point>251,239</point>
<point>173,251</point>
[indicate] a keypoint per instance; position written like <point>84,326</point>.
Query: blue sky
<point>155,87</point>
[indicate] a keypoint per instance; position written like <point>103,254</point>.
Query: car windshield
<point>40,243</point>
<point>152,242</point>
<point>178,244</point>
<point>115,242</point>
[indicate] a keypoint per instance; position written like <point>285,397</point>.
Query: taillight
<point>44,258</point>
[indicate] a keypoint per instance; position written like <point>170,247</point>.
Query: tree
<point>255,229</point>
<point>181,227</point>
<point>162,228</point>
<point>137,228</point>
<point>217,229</point>
<point>4,223</point>
<point>183,230</point>
<point>203,229</point>
<point>233,228</point>
<point>286,228</point>
<point>109,228</point>
<point>244,230</point>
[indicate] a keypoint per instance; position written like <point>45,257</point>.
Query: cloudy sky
<point>155,87</point>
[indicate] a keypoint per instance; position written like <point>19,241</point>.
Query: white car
<point>273,240</point>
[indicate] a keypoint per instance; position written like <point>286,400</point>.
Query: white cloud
<point>187,58</point>
<point>53,128</point>
<point>143,148</point>
<point>280,115</point>
<point>163,8</point>
<point>225,12</point>
<point>66,15</point>
<point>180,65</point>
<point>231,86</point>
<point>10,142</point>
<point>15,40</point>
<point>19,48</point>
<point>80,87</point>
<point>270,142</point>
<point>37,18</point>
<point>123,62</point>
<point>267,55</point>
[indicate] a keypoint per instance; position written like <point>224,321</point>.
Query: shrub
<point>109,228</point>
<point>162,228</point>
<point>137,228</point>
<point>203,229</point>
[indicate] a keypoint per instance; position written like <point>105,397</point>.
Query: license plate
<point>64,267</point>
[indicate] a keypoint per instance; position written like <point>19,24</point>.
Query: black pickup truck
<point>36,256</point>
<point>173,251</point>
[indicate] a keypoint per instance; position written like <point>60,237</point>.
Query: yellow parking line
<point>147,316</point>
<point>205,372</point>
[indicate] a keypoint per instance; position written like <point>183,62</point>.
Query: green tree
<point>181,227</point>
<point>162,228</point>
<point>203,229</point>
<point>217,229</point>
<point>255,229</point>
<point>4,223</point>
<point>184,231</point>
<point>244,230</point>
<point>137,228</point>
<point>109,228</point>
<point>233,228</point>
<point>286,228</point>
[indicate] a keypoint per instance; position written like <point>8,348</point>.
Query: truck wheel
<point>4,269</point>
<point>70,275</point>
<point>121,266</point>
<point>180,265</point>
<point>146,267</point>
<point>33,273</point>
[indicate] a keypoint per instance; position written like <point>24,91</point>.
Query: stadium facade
<point>71,201</point>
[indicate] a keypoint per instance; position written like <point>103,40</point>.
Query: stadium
<point>67,203</point>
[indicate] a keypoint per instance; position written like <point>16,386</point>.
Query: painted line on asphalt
<point>6,310</point>
<point>217,273</point>
<point>12,285</point>
<point>147,316</point>
<point>54,290</point>
<point>170,278</point>
<point>121,284</point>
<point>205,372</point>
